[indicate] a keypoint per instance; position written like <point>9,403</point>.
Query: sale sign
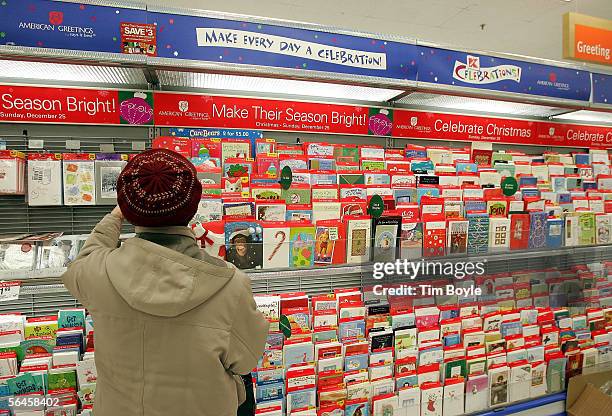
<point>139,38</point>
<point>173,109</point>
<point>25,104</point>
<point>428,125</point>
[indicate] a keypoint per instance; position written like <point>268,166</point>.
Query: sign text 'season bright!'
<point>587,38</point>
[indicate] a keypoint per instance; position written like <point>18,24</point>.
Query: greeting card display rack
<point>413,98</point>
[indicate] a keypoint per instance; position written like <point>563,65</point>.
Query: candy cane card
<point>275,245</point>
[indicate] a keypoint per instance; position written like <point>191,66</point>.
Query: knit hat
<point>158,188</point>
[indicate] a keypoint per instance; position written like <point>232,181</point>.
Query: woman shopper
<point>174,327</point>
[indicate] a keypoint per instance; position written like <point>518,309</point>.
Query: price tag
<point>138,146</point>
<point>36,144</point>
<point>333,233</point>
<point>9,291</point>
<point>107,148</point>
<point>73,144</point>
<point>2,145</point>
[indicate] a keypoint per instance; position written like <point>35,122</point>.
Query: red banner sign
<point>180,110</point>
<point>27,104</point>
<point>427,125</point>
<point>58,105</point>
<point>91,106</point>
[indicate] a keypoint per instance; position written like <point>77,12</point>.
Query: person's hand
<point>117,212</point>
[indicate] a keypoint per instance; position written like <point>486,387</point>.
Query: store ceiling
<point>526,27</point>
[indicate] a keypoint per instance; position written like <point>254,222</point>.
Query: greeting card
<point>206,152</point>
<point>330,242</point>
<point>386,232</point>
<point>270,210</point>
<point>302,246</point>
<point>478,233</point>
<point>477,393</point>
<point>457,237</point>
<point>358,238</point>
<point>243,241</point>
<point>235,148</point>
<point>434,238</point>
<point>431,399</point>
<point>44,179</point>
<point>499,233</point>
<point>108,166</point>
<point>79,179</point>
<point>537,229</point>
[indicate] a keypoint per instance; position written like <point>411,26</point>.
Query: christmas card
<point>431,399</point>
<point>386,232</point>
<point>478,233</point>
<point>537,229</point>
<point>586,228</point>
<point>243,241</point>
<point>44,179</point>
<point>235,148</point>
<point>275,245</point>
<point>302,246</point>
<point>358,238</point>
<point>268,164</point>
<point>270,210</point>
<point>411,239</point>
<point>457,236</point>
<point>79,179</point>
<point>499,233</point>
<point>477,393</point>
<point>434,238</point>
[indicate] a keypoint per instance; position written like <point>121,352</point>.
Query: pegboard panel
<point>15,214</point>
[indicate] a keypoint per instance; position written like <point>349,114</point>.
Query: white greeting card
<point>325,210</point>
<point>409,401</point>
<point>44,182</point>
<point>275,247</point>
<point>79,182</point>
<point>431,401</point>
<point>454,399</point>
<point>520,382</point>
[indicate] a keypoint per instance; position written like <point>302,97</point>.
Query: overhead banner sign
<point>173,109</point>
<point>428,125</point>
<point>25,104</point>
<point>602,89</point>
<point>236,42</point>
<point>587,38</point>
<point>461,69</point>
<point>74,26</point>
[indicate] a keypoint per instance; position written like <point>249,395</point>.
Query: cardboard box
<point>584,398</point>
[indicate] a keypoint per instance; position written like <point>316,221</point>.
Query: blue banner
<point>442,66</point>
<point>215,40</point>
<point>58,25</point>
<point>252,135</point>
<point>602,89</point>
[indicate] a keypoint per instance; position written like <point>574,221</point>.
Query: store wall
<point>527,27</point>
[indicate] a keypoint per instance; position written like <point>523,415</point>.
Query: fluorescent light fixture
<point>66,73</point>
<point>239,83</point>
<point>452,102</point>
<point>587,115</point>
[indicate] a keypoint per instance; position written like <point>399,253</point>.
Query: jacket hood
<point>160,281</point>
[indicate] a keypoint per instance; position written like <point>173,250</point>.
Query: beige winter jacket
<point>172,332</point>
